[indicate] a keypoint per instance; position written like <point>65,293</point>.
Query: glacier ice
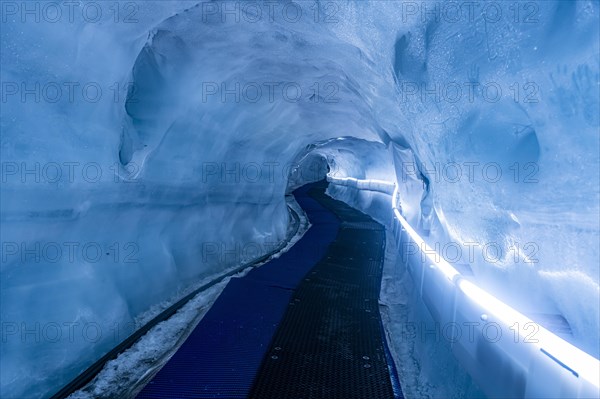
<point>133,139</point>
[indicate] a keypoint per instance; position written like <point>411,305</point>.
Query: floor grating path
<point>330,341</point>
<point>305,325</point>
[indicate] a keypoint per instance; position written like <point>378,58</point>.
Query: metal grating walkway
<point>305,325</point>
<point>330,341</point>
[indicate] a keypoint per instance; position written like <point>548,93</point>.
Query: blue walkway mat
<point>330,342</point>
<point>222,356</point>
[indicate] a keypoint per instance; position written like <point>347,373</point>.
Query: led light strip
<point>569,356</point>
<point>579,363</point>
<point>381,186</point>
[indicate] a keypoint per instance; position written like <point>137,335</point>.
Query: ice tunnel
<point>300,199</point>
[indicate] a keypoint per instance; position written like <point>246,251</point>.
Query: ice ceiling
<point>135,133</point>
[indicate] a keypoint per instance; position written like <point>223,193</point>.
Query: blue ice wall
<point>134,133</point>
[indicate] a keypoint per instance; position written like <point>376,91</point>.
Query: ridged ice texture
<point>161,143</point>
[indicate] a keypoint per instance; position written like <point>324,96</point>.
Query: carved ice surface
<point>148,145</point>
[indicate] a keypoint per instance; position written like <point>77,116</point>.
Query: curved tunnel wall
<point>179,133</point>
